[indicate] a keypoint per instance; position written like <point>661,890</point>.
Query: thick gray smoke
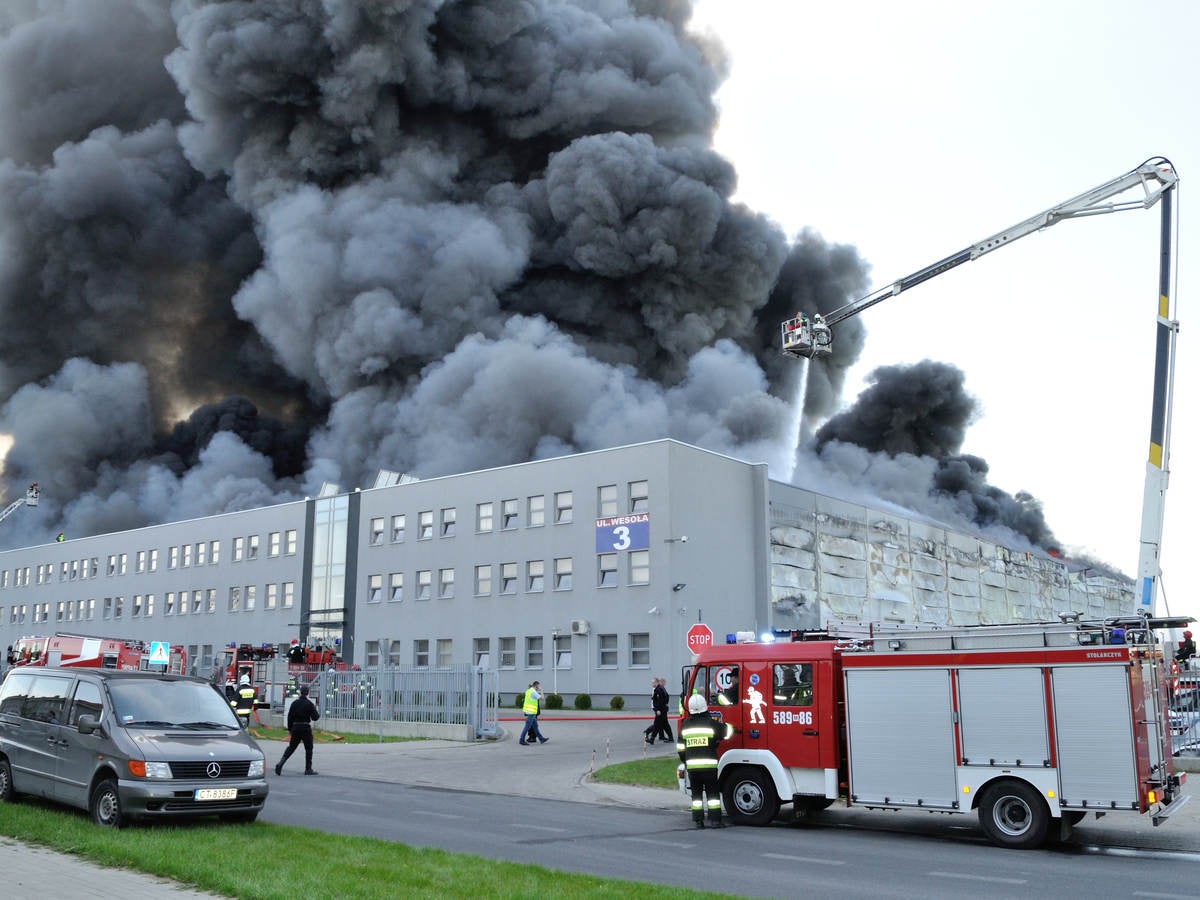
<point>248,247</point>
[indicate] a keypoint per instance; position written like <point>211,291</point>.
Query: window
<point>792,685</point>
<point>250,597</point>
<point>376,539</point>
<point>289,594</point>
<point>607,576</point>
<point>235,598</point>
<point>483,516</point>
<point>449,520</point>
<point>508,652</point>
<point>445,652</point>
<point>535,575</point>
<point>639,650</point>
<point>425,525</point>
<point>197,602</point>
<point>374,588</point>
<point>563,507</point>
<point>60,613</point>
<point>639,497</point>
<point>607,501</point>
<point>508,515</point>
<point>169,603</point>
<point>533,652</point>
<point>252,547</point>
<point>508,578</point>
<point>562,573</point>
<point>272,598</point>
<point>123,563</point>
<point>562,651</point>
<point>396,587</point>
<point>289,544</point>
<point>398,523</point>
<point>239,549</point>
<point>394,654</point>
<point>108,607</point>
<point>639,567</point>
<point>446,583</point>
<point>372,654</point>
<point>214,552</point>
<point>87,609</point>
<point>153,562</point>
<point>210,601</point>
<point>185,559</point>
<point>136,610</point>
<point>118,607</point>
<point>201,553</point>
<point>537,511</point>
<point>172,559</point>
<point>148,609</point>
<point>483,581</point>
<point>421,653</point>
<point>424,584</point>
<point>481,652</point>
<point>139,565</point>
<point>274,542</point>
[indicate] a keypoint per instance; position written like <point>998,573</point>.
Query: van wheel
<point>7,794</point>
<point>750,797</point>
<point>105,805</point>
<point>1014,815</point>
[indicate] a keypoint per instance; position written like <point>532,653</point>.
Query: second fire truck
<point>1030,726</point>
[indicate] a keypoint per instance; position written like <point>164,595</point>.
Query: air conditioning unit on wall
<point>579,626</point>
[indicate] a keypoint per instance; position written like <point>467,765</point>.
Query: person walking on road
<point>699,735</point>
<point>532,707</point>
<point>301,714</point>
<point>660,700</point>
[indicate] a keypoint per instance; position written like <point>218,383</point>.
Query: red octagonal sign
<point>699,636</point>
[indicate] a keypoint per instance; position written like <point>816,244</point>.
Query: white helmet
<point>697,704</point>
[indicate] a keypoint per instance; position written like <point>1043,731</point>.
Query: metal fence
<point>448,695</point>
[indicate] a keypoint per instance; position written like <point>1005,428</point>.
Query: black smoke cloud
<point>250,247</point>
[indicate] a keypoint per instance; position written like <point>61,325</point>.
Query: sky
<point>912,130</point>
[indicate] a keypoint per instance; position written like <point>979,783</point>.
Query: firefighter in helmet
<point>243,701</point>
<point>1187,647</point>
<point>699,735</point>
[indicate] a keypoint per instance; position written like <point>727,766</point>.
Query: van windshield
<point>155,703</point>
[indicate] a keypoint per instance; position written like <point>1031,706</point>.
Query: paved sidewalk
<point>558,770</point>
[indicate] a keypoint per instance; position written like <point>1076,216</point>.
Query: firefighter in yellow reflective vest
<point>699,735</point>
<point>243,702</point>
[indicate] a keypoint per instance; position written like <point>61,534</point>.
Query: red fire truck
<point>64,649</point>
<point>1031,725</point>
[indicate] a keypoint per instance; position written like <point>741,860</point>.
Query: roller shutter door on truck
<point>1094,731</point>
<point>901,737</point>
<point>1003,716</point>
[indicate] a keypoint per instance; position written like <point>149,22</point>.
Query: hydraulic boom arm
<point>30,499</point>
<point>808,336</point>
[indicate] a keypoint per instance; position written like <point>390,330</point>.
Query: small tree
<point>583,701</point>
<point>554,701</point>
<point>617,702</point>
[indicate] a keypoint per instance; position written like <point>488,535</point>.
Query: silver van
<point>127,745</point>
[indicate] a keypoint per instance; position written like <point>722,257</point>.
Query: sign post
<point>699,636</point>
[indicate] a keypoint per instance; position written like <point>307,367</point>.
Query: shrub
<point>554,701</point>
<point>617,702</point>
<point>520,701</point>
<point>583,701</point>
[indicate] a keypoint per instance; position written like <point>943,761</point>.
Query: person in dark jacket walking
<point>301,714</point>
<point>660,700</point>
<point>699,735</point>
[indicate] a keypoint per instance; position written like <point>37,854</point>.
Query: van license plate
<point>216,793</point>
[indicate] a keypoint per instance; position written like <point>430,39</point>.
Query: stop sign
<point>699,636</point>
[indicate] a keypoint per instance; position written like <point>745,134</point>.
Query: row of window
<point>280,595</point>
<point>505,514</point>
<point>508,578</point>
<point>423,652</point>
<point>182,556</point>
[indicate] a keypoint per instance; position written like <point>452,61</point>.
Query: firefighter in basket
<point>1187,648</point>
<point>699,735</point>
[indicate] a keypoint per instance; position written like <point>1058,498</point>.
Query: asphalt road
<point>538,804</point>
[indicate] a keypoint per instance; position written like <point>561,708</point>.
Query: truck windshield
<point>159,703</point>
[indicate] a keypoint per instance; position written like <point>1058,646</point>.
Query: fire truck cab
<point>88,651</point>
<point>1031,726</point>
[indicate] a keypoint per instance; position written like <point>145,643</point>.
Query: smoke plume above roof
<point>249,247</point>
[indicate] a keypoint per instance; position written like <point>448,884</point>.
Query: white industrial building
<point>585,572</point>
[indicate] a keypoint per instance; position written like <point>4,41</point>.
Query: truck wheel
<point>7,794</point>
<point>105,805</point>
<point>750,797</point>
<point>1014,815</point>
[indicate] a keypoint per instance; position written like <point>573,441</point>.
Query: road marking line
<point>803,859</point>
<point>430,812</point>
<point>657,842</point>
<point>539,828</point>
<point>963,876</point>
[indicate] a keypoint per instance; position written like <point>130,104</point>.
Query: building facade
<point>586,572</point>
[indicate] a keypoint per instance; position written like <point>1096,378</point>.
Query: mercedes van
<point>127,745</point>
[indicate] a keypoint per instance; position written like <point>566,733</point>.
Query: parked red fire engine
<point>1032,725</point>
<point>245,659</point>
<point>98,652</point>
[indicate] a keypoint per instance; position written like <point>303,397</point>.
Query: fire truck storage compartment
<point>1094,734</point>
<point>1002,717</point>
<point>900,737</point>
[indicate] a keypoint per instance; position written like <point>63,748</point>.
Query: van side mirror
<point>88,723</point>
